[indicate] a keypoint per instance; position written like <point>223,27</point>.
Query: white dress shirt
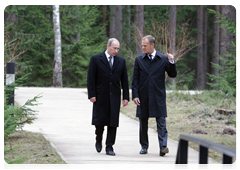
<point>107,55</point>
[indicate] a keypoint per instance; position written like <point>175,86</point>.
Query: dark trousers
<point>111,136</point>
<point>161,128</point>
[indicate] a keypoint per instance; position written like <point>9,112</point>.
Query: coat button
<point>110,83</point>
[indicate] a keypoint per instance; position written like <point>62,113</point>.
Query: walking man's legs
<point>143,134</point>
<point>162,135</point>
<point>111,137</point>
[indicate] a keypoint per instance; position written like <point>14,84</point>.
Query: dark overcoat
<point>148,84</point>
<point>104,84</point>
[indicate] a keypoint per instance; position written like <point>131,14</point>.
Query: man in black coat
<point>106,71</point>
<point>149,93</point>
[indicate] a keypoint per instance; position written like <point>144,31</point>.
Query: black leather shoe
<point>163,151</point>
<point>98,147</point>
<point>111,153</point>
<point>143,151</point>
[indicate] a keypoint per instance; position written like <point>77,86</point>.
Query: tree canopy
<point>85,30</point>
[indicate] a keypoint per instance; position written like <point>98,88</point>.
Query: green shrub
<point>15,117</point>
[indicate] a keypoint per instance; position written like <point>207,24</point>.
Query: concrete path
<point>64,118</point>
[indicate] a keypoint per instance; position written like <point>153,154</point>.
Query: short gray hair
<point>150,38</point>
<point>110,41</point>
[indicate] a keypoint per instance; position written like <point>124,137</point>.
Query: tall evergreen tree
<point>215,53</point>
<point>172,36</point>
<point>35,29</point>
<point>35,25</point>
<point>128,25</point>
<point>112,33</point>
<point>105,19</point>
<point>200,67</point>
<point>227,74</point>
<point>205,48</point>
<point>82,32</point>
<point>230,12</point>
<point>118,22</point>
<point>139,22</point>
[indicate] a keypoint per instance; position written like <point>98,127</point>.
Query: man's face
<point>146,47</point>
<point>113,48</point>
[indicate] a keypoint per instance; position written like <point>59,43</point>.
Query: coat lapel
<point>145,63</point>
<point>115,62</point>
<point>104,60</point>
<point>157,61</point>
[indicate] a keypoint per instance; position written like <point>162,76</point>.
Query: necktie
<point>110,62</point>
<point>150,57</point>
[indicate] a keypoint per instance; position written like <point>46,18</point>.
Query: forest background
<point>201,37</point>
<point>190,32</point>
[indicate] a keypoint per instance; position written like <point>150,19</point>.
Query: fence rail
<point>204,145</point>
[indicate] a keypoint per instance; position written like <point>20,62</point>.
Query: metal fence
<point>204,145</point>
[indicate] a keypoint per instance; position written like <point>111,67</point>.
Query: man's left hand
<point>170,57</point>
<point>125,102</point>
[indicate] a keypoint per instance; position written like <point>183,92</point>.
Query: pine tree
<point>227,75</point>
<point>36,32</point>
<point>82,36</point>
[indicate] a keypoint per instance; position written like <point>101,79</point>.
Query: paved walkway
<point>64,118</point>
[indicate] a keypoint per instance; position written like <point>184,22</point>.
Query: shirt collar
<point>107,55</point>
<point>153,54</point>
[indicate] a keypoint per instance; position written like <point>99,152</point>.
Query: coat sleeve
<point>91,78</point>
<point>135,80</point>
<point>124,82</point>
<point>171,69</point>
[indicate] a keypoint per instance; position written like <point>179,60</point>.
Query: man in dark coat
<point>106,71</point>
<point>149,93</point>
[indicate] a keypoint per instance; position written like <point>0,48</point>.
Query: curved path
<point>64,118</point>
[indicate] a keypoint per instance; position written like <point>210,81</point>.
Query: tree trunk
<point>200,78</point>
<point>57,64</point>
<point>205,49</point>
<point>10,17</point>
<point>48,16</point>
<point>215,53</point>
<point>118,22</point>
<point>135,13</point>
<point>139,21</point>
<point>105,19</point>
<point>172,31</point>
<point>232,15</point>
<point>128,19</point>
<point>225,38</point>
<point>112,22</point>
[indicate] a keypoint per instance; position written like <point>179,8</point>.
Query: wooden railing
<point>204,145</point>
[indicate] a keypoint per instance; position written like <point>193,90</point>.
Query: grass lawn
<point>30,148</point>
<point>187,113</point>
